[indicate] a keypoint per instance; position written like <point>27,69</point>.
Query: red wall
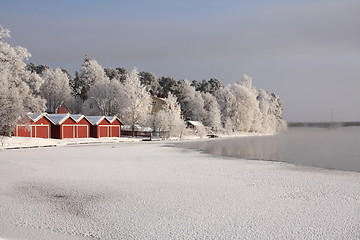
<point>22,131</point>
<point>62,109</point>
<point>43,131</point>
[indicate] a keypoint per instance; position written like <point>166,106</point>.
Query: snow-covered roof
<point>136,128</point>
<point>35,116</point>
<point>111,118</point>
<point>160,98</point>
<point>195,123</point>
<point>129,127</point>
<point>77,117</point>
<point>147,129</point>
<point>57,119</point>
<point>95,120</point>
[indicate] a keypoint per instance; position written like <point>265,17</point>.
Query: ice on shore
<point>151,191</point>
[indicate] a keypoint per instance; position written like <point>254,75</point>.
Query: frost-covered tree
<point>150,81</point>
<point>105,98</point>
<point>91,72</point>
<point>10,106</point>
<point>169,118</point>
<point>212,114</point>
<point>204,86</point>
<point>239,106</point>
<point>268,120</point>
<point>191,102</point>
<point>55,89</point>
<point>75,84</point>
<point>136,106</point>
<point>39,69</point>
<point>248,117</point>
<point>271,111</point>
<point>123,72</point>
<point>226,101</point>
<point>277,110</point>
<point>19,88</point>
<point>118,74</point>
<point>168,84</point>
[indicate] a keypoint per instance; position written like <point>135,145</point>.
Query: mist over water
<point>337,148</point>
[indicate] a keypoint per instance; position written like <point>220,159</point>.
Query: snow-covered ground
<point>27,142</point>
<point>148,190</point>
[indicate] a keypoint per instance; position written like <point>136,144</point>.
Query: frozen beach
<point>150,190</point>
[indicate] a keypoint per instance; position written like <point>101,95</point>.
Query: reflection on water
<point>328,148</point>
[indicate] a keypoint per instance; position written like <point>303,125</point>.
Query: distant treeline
<point>323,124</point>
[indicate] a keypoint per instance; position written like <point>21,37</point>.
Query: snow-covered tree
<point>277,111</point>
<point>204,86</point>
<point>105,98</point>
<point>191,102</point>
<point>239,106</point>
<point>271,111</point>
<point>212,116</point>
<point>169,118</point>
<point>91,72</point>
<point>19,88</point>
<point>150,81</point>
<point>250,116</point>
<point>55,89</point>
<point>10,106</point>
<point>268,120</point>
<point>136,105</point>
<point>226,101</point>
<point>160,121</point>
<point>118,74</point>
<point>168,84</point>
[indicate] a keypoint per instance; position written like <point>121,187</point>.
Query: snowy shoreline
<point>7,143</point>
<point>150,191</point>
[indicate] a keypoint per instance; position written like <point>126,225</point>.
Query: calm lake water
<point>319,147</point>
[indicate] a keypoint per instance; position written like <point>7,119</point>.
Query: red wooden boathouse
<point>104,126</point>
<point>69,126</point>
<point>34,125</point>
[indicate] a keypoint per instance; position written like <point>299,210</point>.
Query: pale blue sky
<point>306,51</point>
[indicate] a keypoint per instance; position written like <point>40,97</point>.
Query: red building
<point>104,126</point>
<point>34,125</point>
<point>69,126</point>
<point>62,109</point>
